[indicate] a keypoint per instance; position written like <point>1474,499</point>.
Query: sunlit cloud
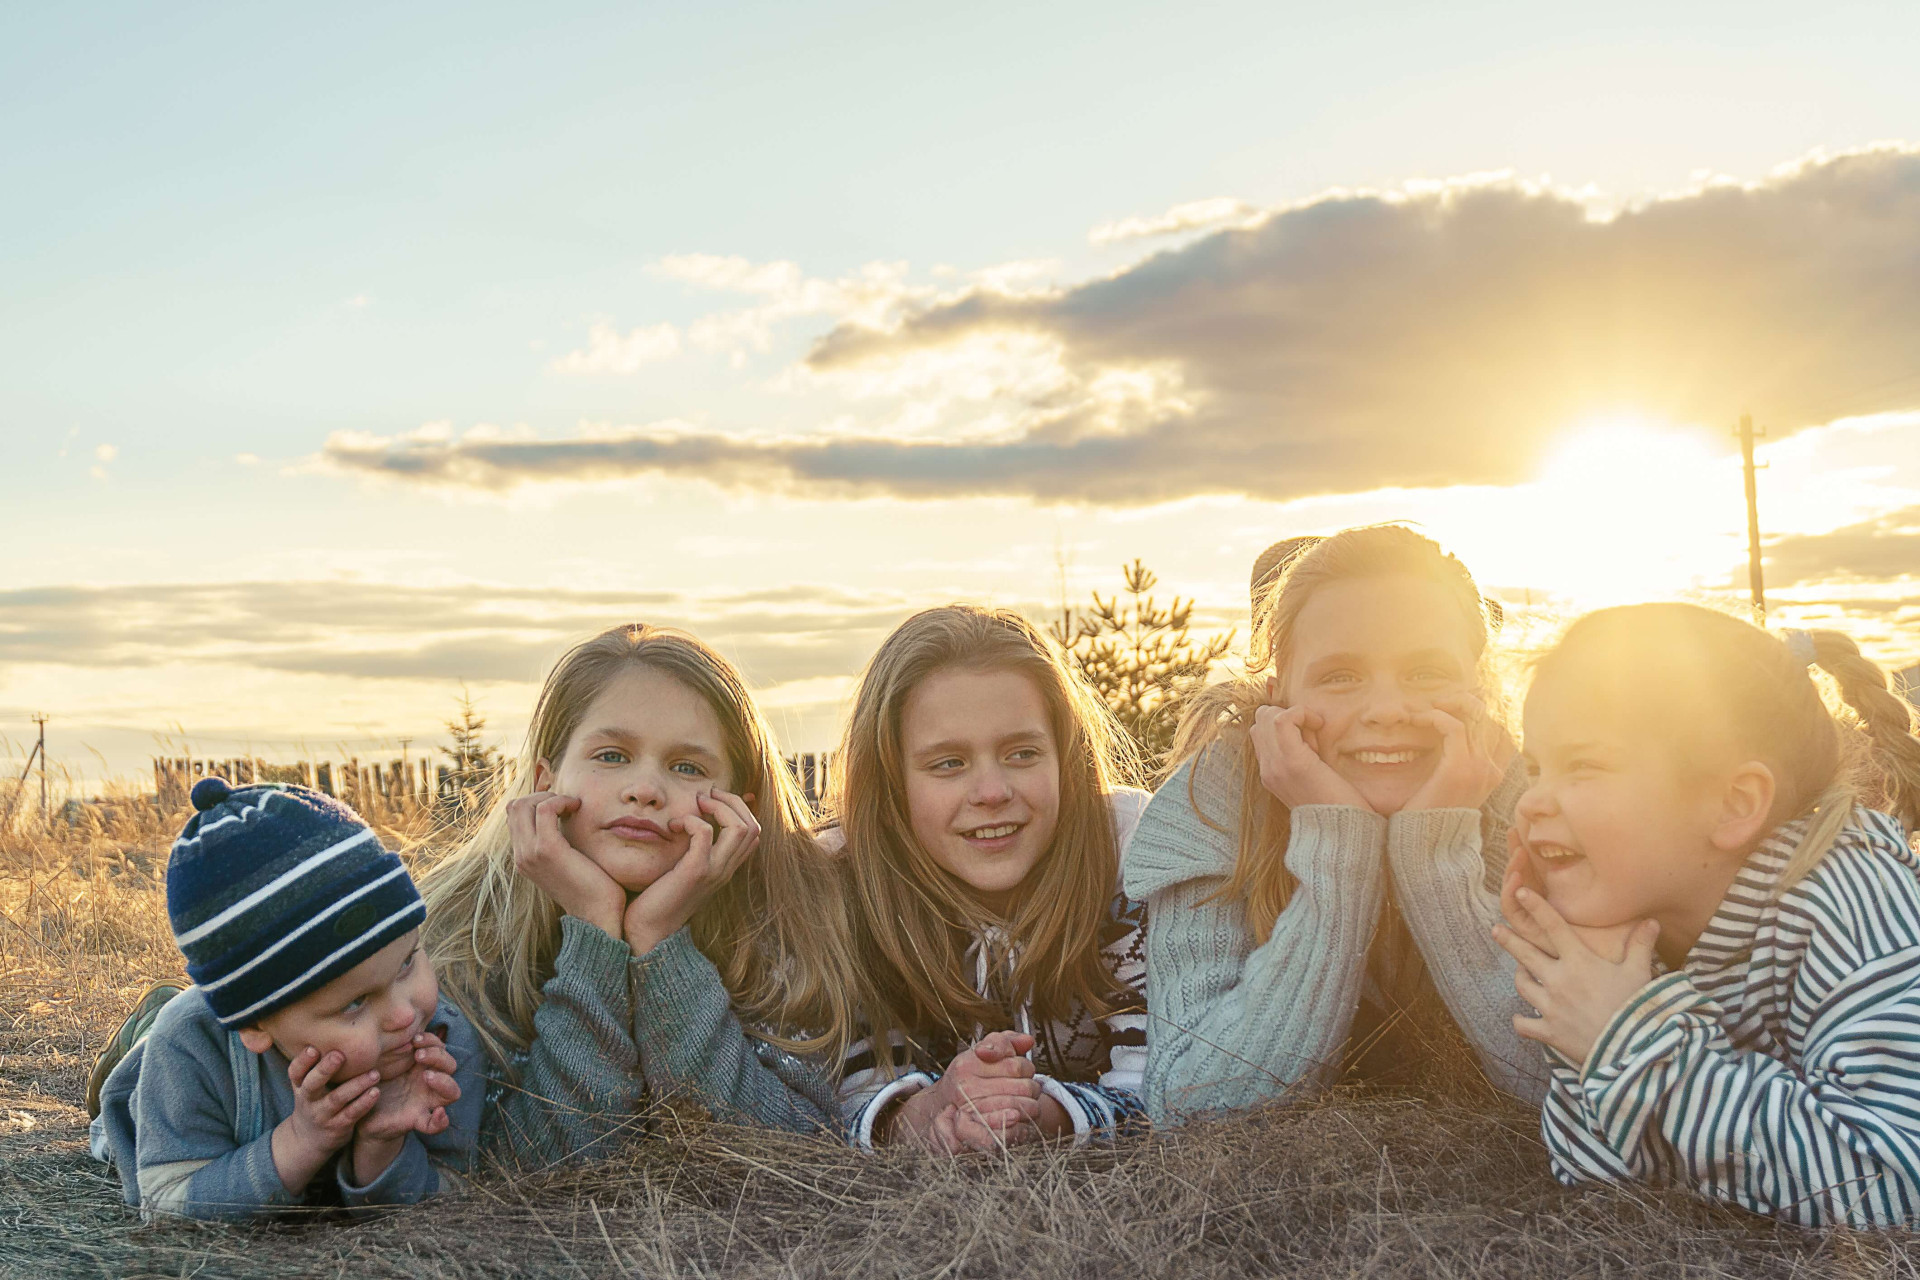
<point>1194,215</point>
<point>610,351</point>
<point>1444,334</point>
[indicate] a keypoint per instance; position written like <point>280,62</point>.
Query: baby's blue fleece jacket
<point>175,1118</point>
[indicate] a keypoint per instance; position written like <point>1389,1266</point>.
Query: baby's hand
<point>414,1102</point>
<point>1576,990</point>
<point>323,1118</point>
<point>417,1101</point>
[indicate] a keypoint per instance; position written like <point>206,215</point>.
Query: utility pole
<point>46,812</point>
<point>1756,581</point>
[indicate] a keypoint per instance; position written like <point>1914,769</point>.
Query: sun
<point>1623,509</point>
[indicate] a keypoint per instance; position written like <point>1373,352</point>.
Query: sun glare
<point>1624,509</point>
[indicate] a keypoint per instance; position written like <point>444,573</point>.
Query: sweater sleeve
<point>1232,1024</point>
<point>692,1044</point>
<point>1664,1096</point>
<point>189,1161</point>
<point>1439,874</point>
<point>580,1089</point>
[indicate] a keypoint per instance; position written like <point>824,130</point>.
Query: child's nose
<point>644,786</point>
<point>990,787</point>
<point>1386,705</point>
<point>399,1016</point>
<point>1535,802</point>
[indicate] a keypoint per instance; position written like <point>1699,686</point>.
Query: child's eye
<point>610,755</point>
<point>1432,675</point>
<point>688,768</point>
<point>1024,755</point>
<point>355,1005</point>
<point>948,765</point>
<point>1337,677</point>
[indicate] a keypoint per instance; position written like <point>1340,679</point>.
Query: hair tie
<point>1800,645</point>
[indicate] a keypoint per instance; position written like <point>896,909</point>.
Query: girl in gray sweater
<point>1332,837</point>
<point>644,913</point>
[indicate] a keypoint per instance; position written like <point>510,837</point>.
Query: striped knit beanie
<point>275,891</point>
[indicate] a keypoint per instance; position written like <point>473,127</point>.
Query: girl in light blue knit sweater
<point>1325,846</point>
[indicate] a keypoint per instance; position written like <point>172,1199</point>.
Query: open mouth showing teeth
<point>1386,757</point>
<point>1555,853</point>
<point>992,833</point>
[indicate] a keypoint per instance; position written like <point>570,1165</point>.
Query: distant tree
<point>1139,658</point>
<point>474,768</point>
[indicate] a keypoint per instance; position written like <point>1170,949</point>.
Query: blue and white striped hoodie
<point>1779,1069</point>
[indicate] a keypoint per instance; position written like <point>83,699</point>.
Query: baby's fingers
<point>435,1058</point>
<point>437,1122</point>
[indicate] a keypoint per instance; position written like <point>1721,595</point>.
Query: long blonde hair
<point>1225,710</point>
<point>770,930</point>
<point>911,921</point>
<point>1712,684</point>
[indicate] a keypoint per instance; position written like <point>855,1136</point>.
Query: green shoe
<point>131,1033</point>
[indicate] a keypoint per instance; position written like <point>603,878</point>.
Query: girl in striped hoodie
<point>1721,941</point>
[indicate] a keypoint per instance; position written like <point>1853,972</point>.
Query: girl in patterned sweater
<point>1721,942</point>
<point>999,968</point>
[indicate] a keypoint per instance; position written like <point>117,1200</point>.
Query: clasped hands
<point>987,1099</point>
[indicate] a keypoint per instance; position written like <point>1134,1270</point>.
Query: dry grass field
<point>1442,1181</point>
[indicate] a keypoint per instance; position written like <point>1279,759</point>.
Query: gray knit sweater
<point>1231,1024</point>
<point>615,1030</point>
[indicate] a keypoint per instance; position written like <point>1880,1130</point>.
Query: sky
<point>358,354</point>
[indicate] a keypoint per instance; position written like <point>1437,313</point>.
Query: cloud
<point>1191,216</point>
<point>470,632</point>
<point>1887,546</point>
<point>609,351</point>
<point>1433,336</point>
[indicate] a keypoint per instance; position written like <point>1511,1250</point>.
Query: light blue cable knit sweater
<point>1231,1024</point>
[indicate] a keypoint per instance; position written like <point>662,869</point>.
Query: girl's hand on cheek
<point>1606,941</point>
<point>1291,768</point>
<point>1470,764</point>
<point>718,843</point>
<point>542,853</point>
<point>1576,990</point>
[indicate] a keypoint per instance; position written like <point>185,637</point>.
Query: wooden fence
<point>394,786</point>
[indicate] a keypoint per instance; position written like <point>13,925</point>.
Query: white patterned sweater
<point>1779,1068</point>
<point>1092,1066</point>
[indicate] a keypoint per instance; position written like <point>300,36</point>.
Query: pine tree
<point>1139,658</point>
<point>474,768</point>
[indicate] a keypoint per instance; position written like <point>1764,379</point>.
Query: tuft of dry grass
<point>1433,1181</point>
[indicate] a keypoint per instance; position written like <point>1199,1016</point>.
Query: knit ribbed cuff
<point>675,973</point>
<point>1337,851</point>
<point>591,952</point>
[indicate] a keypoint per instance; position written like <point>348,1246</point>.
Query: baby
<point>312,1062</point>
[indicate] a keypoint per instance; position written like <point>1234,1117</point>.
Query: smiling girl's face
<point>983,778</point>
<point>1367,655</point>
<point>645,750</point>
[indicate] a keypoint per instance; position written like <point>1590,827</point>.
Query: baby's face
<point>370,1013</point>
